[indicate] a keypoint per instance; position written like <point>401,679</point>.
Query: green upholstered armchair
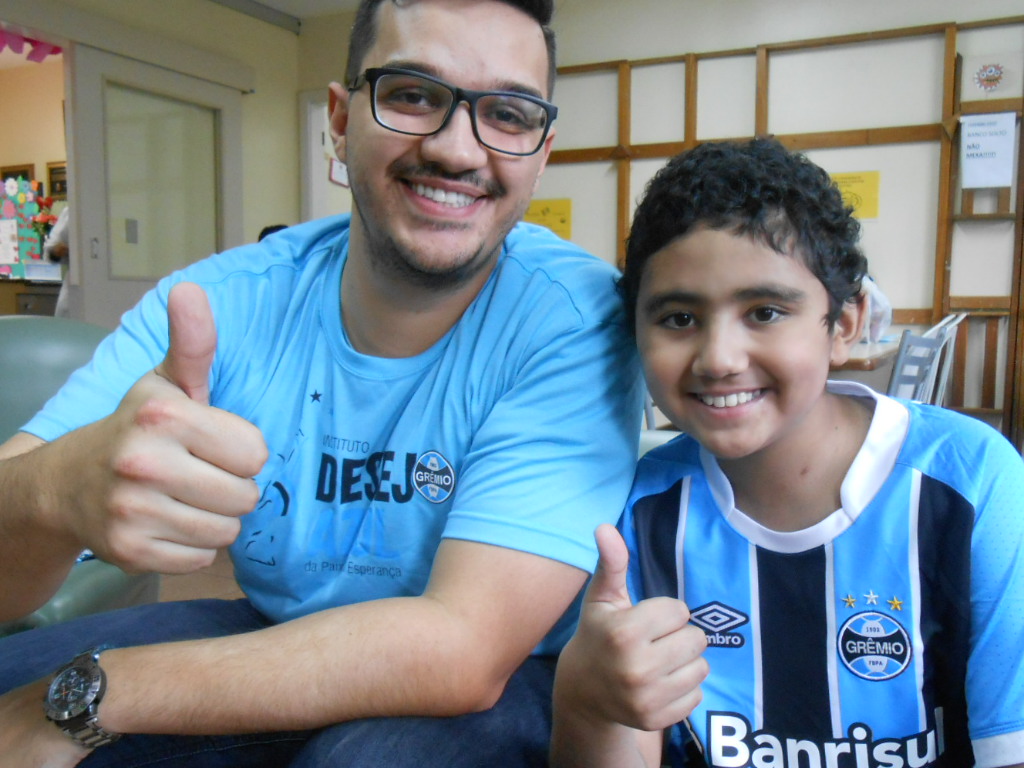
<point>37,354</point>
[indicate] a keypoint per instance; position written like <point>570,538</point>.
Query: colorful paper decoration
<point>38,49</point>
<point>18,204</point>
<point>988,77</point>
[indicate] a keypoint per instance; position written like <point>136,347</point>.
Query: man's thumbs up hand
<point>638,665</point>
<point>193,340</point>
<point>166,477</point>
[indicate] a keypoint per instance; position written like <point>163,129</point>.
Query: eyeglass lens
<point>415,105</point>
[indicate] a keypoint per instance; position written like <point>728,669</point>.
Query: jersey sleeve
<point>995,671</point>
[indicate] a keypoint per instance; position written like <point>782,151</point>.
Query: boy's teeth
<point>451,199</point>
<point>727,401</point>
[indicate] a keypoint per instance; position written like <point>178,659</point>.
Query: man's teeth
<point>451,199</point>
<point>727,401</point>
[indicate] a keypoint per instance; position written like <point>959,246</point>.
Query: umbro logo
<point>717,620</point>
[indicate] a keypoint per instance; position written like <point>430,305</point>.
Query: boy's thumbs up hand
<point>638,665</point>
<point>166,477</point>
<point>608,584</point>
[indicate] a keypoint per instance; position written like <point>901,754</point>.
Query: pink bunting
<point>39,49</point>
<point>13,40</point>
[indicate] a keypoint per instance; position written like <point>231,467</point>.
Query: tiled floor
<point>217,580</point>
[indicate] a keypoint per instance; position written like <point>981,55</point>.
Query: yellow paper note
<point>860,190</point>
<point>555,214</point>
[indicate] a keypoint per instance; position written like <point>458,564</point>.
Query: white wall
<point>269,186</point>
<point>865,85</point>
<point>600,30</point>
<point>32,127</point>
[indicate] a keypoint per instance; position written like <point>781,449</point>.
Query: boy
<point>853,560</point>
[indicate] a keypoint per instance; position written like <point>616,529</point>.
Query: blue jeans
<point>513,733</point>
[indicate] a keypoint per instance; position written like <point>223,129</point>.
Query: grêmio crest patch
<point>874,646</point>
<point>434,477</point>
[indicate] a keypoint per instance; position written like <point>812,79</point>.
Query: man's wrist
<point>73,698</point>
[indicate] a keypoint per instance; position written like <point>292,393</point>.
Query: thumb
<point>193,340</point>
<point>609,582</point>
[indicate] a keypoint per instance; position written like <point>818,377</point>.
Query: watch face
<point>71,693</point>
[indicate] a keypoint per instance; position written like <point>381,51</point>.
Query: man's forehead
<point>485,44</point>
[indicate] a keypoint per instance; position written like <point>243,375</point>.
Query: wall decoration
<point>988,77</point>
<point>34,50</point>
<point>555,214</point>
<point>992,75</point>
<point>57,179</point>
<point>860,192</point>
<point>26,171</point>
<point>987,151</point>
<point>19,207</point>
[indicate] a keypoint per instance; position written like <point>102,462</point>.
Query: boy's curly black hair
<point>758,189</point>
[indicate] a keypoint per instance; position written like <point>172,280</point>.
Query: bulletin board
<point>20,243</point>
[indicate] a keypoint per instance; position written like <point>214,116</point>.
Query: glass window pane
<point>161,171</point>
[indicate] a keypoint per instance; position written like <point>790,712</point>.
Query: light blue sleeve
<point>995,671</point>
<point>235,285</point>
<point>95,390</point>
<point>555,457</point>
<point>140,342</point>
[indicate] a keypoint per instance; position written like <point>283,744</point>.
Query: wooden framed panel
<point>982,258</point>
<point>25,171</point>
<point>726,96</point>
<point>991,46</point>
<point>592,187</point>
<point>587,109</point>
<point>900,242</point>
<point>658,103</point>
<point>867,85</point>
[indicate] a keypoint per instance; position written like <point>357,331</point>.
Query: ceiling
<point>303,9</point>
<point>299,9</point>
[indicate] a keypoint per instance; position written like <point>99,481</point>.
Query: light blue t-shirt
<point>517,429</point>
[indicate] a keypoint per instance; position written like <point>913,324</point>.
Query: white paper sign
<point>8,241</point>
<point>986,150</point>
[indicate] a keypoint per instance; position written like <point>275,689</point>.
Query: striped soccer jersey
<point>887,635</point>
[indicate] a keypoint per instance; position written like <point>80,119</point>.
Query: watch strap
<point>91,734</point>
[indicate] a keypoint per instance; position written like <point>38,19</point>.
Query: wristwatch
<point>74,697</point>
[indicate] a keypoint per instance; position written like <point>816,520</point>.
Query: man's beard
<point>388,257</point>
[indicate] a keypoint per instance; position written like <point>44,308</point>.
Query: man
<point>449,408</point>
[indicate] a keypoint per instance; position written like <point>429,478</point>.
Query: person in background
<point>405,425</point>
<point>55,248</point>
<point>269,230</point>
<point>822,575</point>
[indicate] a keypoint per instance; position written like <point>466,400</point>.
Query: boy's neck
<point>795,485</point>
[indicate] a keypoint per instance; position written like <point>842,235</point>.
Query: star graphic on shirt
<point>315,397</point>
<point>850,601</point>
<point>896,604</point>
<point>871,597</point>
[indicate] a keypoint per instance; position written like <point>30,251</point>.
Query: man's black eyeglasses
<point>410,102</point>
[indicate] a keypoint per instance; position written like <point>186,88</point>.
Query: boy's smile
<point>735,345</point>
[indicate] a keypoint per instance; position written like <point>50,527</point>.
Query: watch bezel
<point>86,667</point>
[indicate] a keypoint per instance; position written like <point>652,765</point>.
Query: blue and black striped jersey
<point>890,634</point>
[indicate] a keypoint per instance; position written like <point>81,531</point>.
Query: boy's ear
<point>337,115</point>
<point>848,329</point>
